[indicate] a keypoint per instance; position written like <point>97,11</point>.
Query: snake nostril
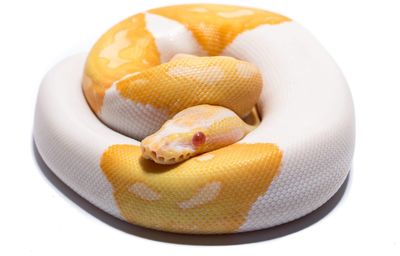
<point>161,159</point>
<point>181,157</point>
<point>153,154</point>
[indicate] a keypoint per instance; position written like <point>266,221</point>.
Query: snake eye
<point>198,139</point>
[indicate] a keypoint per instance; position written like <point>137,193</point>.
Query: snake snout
<point>163,157</point>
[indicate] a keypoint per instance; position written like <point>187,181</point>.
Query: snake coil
<point>290,164</point>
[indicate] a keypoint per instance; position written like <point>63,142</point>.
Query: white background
<point>40,216</point>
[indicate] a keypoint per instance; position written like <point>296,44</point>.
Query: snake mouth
<point>162,159</point>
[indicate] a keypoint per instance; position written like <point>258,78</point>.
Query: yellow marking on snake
<point>188,201</point>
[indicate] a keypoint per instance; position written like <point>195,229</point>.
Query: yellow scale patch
<point>210,194</point>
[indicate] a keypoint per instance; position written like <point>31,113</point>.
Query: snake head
<point>194,131</point>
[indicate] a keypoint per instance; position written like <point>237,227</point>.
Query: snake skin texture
<point>93,110</point>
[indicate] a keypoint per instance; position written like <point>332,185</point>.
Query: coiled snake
<point>165,133</point>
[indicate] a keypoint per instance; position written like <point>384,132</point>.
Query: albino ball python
<point>206,171</point>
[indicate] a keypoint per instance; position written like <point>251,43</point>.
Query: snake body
<point>171,86</point>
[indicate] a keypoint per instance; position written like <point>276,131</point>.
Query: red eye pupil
<point>198,139</point>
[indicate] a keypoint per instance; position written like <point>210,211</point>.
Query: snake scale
<point>199,118</point>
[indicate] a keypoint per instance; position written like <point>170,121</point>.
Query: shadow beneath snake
<point>230,239</point>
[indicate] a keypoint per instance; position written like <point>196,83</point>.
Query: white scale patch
<point>171,37</point>
<point>206,194</point>
<point>129,117</point>
<point>144,192</point>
